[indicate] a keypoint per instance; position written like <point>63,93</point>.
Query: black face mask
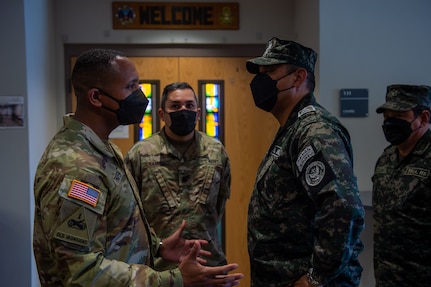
<point>131,109</point>
<point>397,130</point>
<point>183,122</point>
<point>265,92</point>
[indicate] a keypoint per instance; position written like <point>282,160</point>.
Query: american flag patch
<point>84,192</point>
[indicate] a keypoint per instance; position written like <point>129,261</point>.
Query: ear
<point>425,117</point>
<point>161,114</point>
<point>198,114</point>
<point>301,76</point>
<point>94,97</point>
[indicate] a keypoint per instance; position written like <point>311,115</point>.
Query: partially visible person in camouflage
<point>402,190</point>
<point>182,174</point>
<point>305,215</point>
<point>89,225</point>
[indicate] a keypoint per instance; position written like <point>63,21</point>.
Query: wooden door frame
<point>158,50</point>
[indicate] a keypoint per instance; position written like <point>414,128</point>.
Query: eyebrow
<point>187,102</point>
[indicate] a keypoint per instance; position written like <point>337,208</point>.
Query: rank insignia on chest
<point>117,177</point>
<point>84,192</point>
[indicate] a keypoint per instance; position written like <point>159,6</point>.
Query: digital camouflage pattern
<point>405,97</point>
<point>284,52</point>
<point>305,210</point>
<point>105,242</point>
<point>193,186</point>
<point>402,217</point>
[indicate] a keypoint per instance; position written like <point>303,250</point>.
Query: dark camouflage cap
<point>284,52</point>
<point>406,97</point>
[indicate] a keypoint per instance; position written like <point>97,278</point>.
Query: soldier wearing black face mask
<point>90,228</point>
<point>305,215</point>
<point>402,190</point>
<point>182,174</point>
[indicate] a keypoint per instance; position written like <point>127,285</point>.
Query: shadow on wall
<point>14,246</point>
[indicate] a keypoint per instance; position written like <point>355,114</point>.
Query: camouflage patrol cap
<point>284,52</point>
<point>405,97</point>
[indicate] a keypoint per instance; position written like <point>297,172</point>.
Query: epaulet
<point>306,110</point>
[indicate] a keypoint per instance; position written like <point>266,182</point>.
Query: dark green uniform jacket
<point>402,217</point>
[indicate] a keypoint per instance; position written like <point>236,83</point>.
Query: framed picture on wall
<point>11,112</point>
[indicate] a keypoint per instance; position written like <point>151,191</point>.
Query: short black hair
<point>172,87</point>
<point>91,67</point>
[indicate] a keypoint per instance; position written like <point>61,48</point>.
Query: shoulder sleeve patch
<point>82,193</point>
<point>307,153</point>
<point>317,174</point>
<point>74,229</point>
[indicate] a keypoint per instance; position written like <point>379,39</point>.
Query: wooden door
<point>248,133</point>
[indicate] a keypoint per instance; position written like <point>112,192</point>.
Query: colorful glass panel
<point>146,125</point>
<point>212,108</point>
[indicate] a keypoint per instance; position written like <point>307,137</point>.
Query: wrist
<point>312,279</point>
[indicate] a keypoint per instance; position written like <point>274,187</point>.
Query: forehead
<point>184,95</point>
<point>125,70</point>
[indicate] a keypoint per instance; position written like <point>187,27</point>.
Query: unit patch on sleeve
<point>304,156</point>
<point>84,192</point>
<point>317,173</point>
<point>314,173</point>
<point>74,229</point>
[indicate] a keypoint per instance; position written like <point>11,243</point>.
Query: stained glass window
<point>150,123</point>
<point>211,98</point>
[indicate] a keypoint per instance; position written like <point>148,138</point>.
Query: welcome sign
<point>166,15</point>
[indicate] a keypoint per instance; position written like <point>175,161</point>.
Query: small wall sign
<point>354,102</point>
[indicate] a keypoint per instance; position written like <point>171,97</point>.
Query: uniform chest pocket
<point>205,184</point>
<point>412,193</point>
<point>194,184</point>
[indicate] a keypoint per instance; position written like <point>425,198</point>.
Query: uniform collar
<point>104,147</point>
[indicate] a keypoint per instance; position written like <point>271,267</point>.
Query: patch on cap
<point>284,52</point>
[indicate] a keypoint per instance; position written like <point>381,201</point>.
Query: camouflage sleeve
<point>328,177</point>
<point>70,242</point>
<point>144,277</point>
<point>132,161</point>
<point>224,192</point>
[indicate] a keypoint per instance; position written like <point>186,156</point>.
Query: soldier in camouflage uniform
<point>305,214</point>
<point>182,174</point>
<point>402,190</point>
<point>89,224</point>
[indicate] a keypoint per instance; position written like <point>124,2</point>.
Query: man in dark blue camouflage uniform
<point>402,190</point>
<point>305,214</point>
